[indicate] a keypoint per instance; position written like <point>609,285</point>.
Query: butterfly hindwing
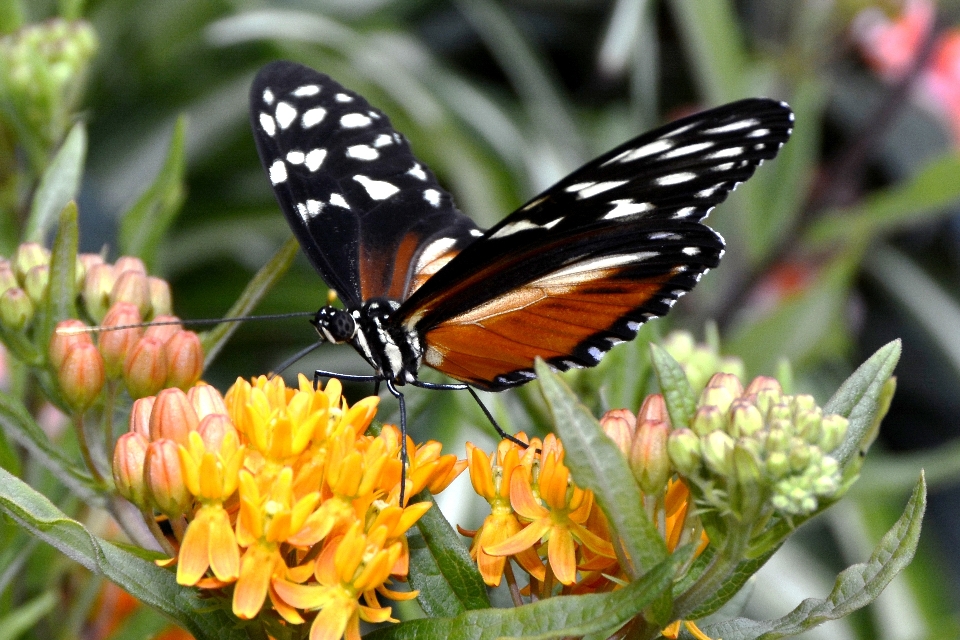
<point>367,213</point>
<point>578,268</point>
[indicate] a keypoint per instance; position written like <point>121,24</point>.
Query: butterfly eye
<point>334,325</point>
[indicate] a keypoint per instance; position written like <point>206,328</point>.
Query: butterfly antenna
<point>202,321</point>
<point>289,361</point>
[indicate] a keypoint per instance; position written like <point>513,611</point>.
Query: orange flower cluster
<point>276,493</point>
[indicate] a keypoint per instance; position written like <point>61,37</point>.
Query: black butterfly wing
<point>580,267</point>
<point>369,216</point>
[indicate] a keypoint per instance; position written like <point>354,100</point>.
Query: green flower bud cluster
<point>756,452</point>
<point>42,72</point>
<point>24,279</point>
<point>700,361</point>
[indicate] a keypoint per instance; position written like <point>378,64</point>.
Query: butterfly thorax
<point>394,352</point>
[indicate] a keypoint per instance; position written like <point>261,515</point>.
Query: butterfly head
<point>334,325</point>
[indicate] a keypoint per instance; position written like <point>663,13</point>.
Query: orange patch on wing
<point>430,268</point>
<point>506,334</point>
<point>376,272</point>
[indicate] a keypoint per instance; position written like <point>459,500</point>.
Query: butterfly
<point>570,274</point>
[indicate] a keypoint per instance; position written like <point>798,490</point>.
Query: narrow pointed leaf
<point>26,616</point>
<point>147,221</point>
<point>857,398</point>
<point>62,290</point>
<point>597,464</point>
<point>141,578</point>
<point>556,617</point>
<point>441,568</point>
<point>679,397</point>
<point>59,184</point>
<point>856,586</point>
<point>212,341</point>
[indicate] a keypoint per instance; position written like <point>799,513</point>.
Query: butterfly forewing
<point>371,218</point>
<point>581,266</point>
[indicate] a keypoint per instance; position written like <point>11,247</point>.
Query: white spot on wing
<point>268,124</point>
<point>376,189</point>
<point>432,196</point>
<point>342,97</point>
<point>313,117</point>
<point>595,353</point>
<point>314,207</point>
<point>600,187</point>
<point>691,251</point>
<point>354,121</point>
<point>758,133</point>
<point>732,152</point>
<point>295,157</point>
<point>649,149</point>
<point>362,152</point>
<point>683,212</point>
<point>285,114</point>
<point>709,191</point>
<point>663,235</point>
<point>687,150</point>
<point>268,96</point>
<point>382,140</point>
<point>314,159</point>
<point>433,251</point>
<point>627,207</point>
<point>417,172</point>
<point>514,227</point>
<point>581,271</point>
<point>306,91</point>
<point>302,210</point>
<point>675,178</point>
<point>337,200</point>
<point>278,172</point>
<point>476,233</point>
<point>734,126</point>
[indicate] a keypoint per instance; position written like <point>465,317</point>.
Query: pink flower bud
<point>206,400</point>
<point>648,456</point>
<point>184,359</point>
<point>654,408</point>
<point>619,425</point>
<point>8,279</point>
<point>163,332</point>
<point>160,299</point>
<point>172,417</point>
<point>129,263</point>
<point>128,462</point>
<point>131,286</point>
<point>115,345</point>
<point>145,369</point>
<point>164,477</point>
<point>214,429</point>
<point>140,415</point>
<point>63,339</point>
<point>81,375</point>
<point>96,289</point>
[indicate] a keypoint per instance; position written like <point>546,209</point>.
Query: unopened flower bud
<point>145,369</point>
<point>215,429</point>
<point>131,286</point>
<point>115,345</point>
<point>808,425</point>
<point>799,455</point>
<point>683,446</point>
<point>781,411</point>
<point>27,256</point>
<point>161,302</point>
<point>173,417</point>
<point>745,419</point>
<point>36,281</point>
<point>164,477</point>
<point>619,425</point>
<point>81,375</point>
<point>777,465</point>
<point>726,381</point>
<point>707,419</point>
<point>8,279</point>
<point>767,399</point>
<point>833,429</point>
<point>206,400</point>
<point>85,262</point>
<point>827,481</point>
<point>64,337</point>
<point>129,263</point>
<point>129,457</point>
<point>165,331</point>
<point>777,440</point>
<point>763,383</point>
<point>792,498</point>
<point>654,408</point>
<point>718,452</point>
<point>184,359</point>
<point>140,415</point>
<point>649,460</point>
<point>719,397</point>
<point>96,289</point>
<point>16,310</point>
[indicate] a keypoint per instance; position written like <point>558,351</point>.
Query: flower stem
<point>729,555</point>
<point>85,449</point>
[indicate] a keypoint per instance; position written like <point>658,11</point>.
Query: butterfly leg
<point>483,407</point>
<point>320,373</point>
<point>403,438</point>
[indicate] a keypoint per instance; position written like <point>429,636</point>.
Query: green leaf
<point>597,464</point>
<point>714,46</point>
<point>677,393</point>
<point>856,586</point>
<point>441,568</point>
<point>20,427</point>
<point>555,617</point>
<point>857,399</point>
<point>59,184</point>
<point>25,616</point>
<point>212,341</point>
<point>144,225</point>
<point>61,297</point>
<point>141,578</point>
<point>928,194</point>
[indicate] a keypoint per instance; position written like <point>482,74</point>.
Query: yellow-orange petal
<point>224,552</point>
<point>332,622</point>
<point>522,499</point>
<point>256,569</point>
<point>561,552</point>
<point>524,539</point>
<point>193,559</point>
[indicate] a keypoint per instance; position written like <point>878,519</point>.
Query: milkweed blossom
<point>289,508</point>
